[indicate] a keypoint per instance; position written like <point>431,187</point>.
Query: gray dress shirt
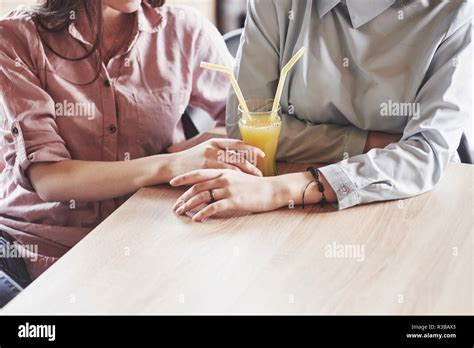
<point>397,66</point>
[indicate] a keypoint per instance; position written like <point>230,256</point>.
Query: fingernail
<point>180,210</point>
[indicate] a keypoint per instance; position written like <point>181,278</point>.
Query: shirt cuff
<point>49,151</point>
<point>346,190</point>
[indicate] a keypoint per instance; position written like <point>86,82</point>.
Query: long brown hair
<point>55,16</point>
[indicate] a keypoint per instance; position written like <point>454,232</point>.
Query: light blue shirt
<point>371,65</point>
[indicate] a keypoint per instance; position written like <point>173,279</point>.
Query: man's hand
<point>224,190</point>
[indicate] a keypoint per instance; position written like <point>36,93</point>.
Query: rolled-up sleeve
<point>258,72</point>
<point>28,130</point>
<point>417,163</point>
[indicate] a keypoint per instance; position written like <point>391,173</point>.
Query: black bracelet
<point>304,191</point>
<point>315,173</point>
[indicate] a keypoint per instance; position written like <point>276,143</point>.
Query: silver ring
<point>213,198</point>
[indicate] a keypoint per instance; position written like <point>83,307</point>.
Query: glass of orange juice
<point>261,128</point>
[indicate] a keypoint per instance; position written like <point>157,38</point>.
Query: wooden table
<point>414,257</point>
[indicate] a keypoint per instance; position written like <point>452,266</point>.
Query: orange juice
<point>262,130</point>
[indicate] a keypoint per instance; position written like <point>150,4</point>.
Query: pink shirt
<point>132,110</point>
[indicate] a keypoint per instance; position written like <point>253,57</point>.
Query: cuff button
<point>345,190</point>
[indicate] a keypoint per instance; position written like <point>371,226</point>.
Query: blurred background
<point>227,15</point>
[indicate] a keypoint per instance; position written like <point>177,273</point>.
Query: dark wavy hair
<point>54,16</point>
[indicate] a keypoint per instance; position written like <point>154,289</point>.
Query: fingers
<point>238,145</point>
<point>198,188</point>
<point>239,161</point>
<point>212,209</point>
<point>248,168</point>
<point>193,202</point>
<point>195,177</point>
<point>200,198</point>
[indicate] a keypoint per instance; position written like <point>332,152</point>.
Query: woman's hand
<point>226,190</point>
<point>231,191</point>
<point>217,154</point>
<point>72,179</point>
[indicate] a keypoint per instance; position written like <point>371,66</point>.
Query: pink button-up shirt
<point>48,112</point>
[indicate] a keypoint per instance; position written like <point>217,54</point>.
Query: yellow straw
<point>283,74</point>
<point>233,81</point>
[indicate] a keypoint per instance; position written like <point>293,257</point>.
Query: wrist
<point>155,170</point>
<point>288,189</point>
<point>328,190</point>
<point>278,191</point>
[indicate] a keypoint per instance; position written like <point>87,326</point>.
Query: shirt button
<point>112,129</point>
<point>15,131</point>
<point>107,83</point>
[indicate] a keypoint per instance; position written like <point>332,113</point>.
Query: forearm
<point>89,181</point>
<point>289,188</point>
<point>380,140</point>
<point>304,142</point>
